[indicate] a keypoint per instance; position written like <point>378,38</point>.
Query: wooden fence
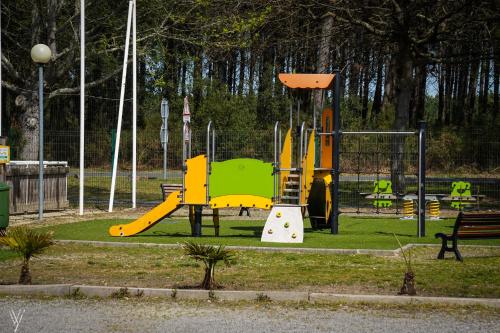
<point>23,183</point>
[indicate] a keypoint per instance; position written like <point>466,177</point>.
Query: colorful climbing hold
<point>287,224</point>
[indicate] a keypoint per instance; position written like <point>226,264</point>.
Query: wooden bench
<point>470,226</point>
<point>167,189</point>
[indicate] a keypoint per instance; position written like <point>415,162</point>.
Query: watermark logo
<point>16,318</point>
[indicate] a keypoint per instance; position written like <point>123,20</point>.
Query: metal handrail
<point>186,153</point>
<point>210,130</point>
<point>277,171</point>
<point>301,156</point>
<point>368,132</point>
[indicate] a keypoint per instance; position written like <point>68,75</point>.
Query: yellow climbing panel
<point>285,160</point>
<point>195,192</point>
<point>307,170</point>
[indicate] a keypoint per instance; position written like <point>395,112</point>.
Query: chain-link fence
<point>367,161</point>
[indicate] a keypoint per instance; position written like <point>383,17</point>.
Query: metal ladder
<point>291,191</point>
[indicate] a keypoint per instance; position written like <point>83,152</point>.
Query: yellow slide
<point>143,223</point>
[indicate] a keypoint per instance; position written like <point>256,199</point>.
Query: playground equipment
<point>408,209</point>
<point>434,209</point>
<point>284,185</point>
<point>461,195</point>
<point>382,194</point>
<point>295,181</point>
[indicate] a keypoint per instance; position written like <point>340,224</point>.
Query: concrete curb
<point>36,290</point>
<point>383,253</point>
<point>373,252</point>
<point>391,299</point>
<point>66,290</point>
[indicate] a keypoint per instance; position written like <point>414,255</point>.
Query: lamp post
<point>41,55</point>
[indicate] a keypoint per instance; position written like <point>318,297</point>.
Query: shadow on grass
<point>392,234</point>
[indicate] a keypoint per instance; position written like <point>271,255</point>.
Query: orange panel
<point>307,81</point>
<point>326,140</point>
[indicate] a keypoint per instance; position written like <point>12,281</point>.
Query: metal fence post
<point>334,216</point>
<point>421,179</point>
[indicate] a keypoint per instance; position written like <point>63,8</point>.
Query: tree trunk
<point>377,97</point>
<point>440,114</point>
<point>418,98</point>
<point>365,87</point>
<point>241,81</point>
<point>323,60</point>
<point>485,82</point>
<point>471,96</point>
<point>25,276</point>
<point>209,278</point>
<point>389,84</point>
<point>29,121</point>
<point>403,87</point>
<point>496,79</point>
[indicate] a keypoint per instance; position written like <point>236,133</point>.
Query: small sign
<point>4,154</point>
<point>186,114</point>
<point>163,137</point>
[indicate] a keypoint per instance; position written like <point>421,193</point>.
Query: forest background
<point>401,62</point>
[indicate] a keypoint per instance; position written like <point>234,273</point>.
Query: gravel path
<point>66,315</point>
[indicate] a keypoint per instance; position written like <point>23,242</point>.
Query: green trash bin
<point>4,206</point>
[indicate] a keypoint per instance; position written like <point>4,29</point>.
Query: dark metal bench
<point>167,189</point>
<point>470,226</point>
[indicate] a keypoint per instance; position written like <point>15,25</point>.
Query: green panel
<point>4,205</point>
<point>241,176</point>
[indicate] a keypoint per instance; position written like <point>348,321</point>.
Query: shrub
<point>27,243</point>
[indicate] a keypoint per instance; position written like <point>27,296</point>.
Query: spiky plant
<point>210,256</point>
<point>408,287</point>
<point>28,243</point>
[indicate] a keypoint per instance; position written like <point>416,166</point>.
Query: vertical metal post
<point>276,163</point>
<point>421,180</point>
<point>209,129</point>
<point>134,107</point>
<point>165,155</point>
<point>82,107</point>
<point>334,216</point>
<point>299,162</point>
<point>164,115</point>
<point>0,69</point>
<point>198,210</point>
<point>40,149</point>
<point>3,176</point>
<point>120,108</point>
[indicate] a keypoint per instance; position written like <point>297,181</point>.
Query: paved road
<point>66,315</point>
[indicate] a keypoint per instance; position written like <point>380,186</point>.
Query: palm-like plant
<point>210,256</point>
<point>409,277</point>
<point>28,243</point>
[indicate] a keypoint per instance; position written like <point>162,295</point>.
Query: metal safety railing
<point>210,133</point>
<point>276,163</point>
<point>186,153</point>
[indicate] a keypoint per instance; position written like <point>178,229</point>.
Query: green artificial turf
<point>354,233</point>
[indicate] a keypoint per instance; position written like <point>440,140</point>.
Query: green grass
<point>355,233</point>
<point>477,276</point>
<point>7,254</point>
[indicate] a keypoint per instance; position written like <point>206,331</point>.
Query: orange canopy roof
<point>306,81</point>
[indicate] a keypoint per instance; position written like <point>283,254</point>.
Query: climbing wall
<point>284,225</point>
